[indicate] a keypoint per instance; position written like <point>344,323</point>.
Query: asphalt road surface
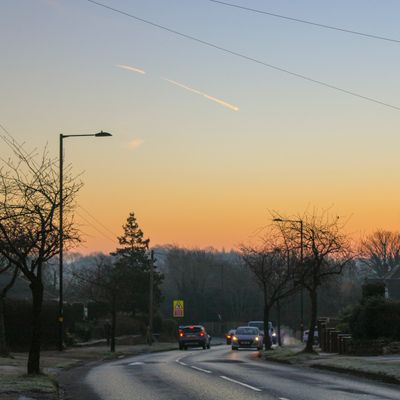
<point>215,374</point>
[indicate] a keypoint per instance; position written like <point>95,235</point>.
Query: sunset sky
<point>204,142</point>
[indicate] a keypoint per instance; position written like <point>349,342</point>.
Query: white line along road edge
<point>241,383</point>
<point>201,369</point>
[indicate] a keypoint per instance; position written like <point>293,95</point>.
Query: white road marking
<point>240,383</point>
<point>180,362</point>
<point>137,363</point>
<point>201,369</point>
<point>283,398</point>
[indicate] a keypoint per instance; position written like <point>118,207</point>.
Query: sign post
<point>178,309</point>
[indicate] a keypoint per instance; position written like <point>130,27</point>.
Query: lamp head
<point>102,134</point>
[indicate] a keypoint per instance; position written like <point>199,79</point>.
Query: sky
<point>205,143</point>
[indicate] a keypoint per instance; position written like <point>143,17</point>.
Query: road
<point>215,374</point>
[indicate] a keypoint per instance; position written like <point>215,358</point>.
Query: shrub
<point>373,290</point>
<point>169,329</point>
<point>375,318</point>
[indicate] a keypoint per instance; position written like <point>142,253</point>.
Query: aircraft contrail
<point>129,68</point>
<point>207,96</point>
<point>181,85</point>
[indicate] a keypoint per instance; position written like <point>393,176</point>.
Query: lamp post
<point>60,301</point>
<point>300,221</point>
<point>151,301</point>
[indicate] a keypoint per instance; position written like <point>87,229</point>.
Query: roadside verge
<point>383,368</point>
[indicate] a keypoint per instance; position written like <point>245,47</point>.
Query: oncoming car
<point>247,336</point>
<point>193,336</point>
<point>229,335</point>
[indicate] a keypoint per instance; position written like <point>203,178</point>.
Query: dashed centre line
<point>241,383</point>
<point>223,377</point>
<point>201,369</point>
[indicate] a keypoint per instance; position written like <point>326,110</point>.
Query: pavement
<point>215,374</point>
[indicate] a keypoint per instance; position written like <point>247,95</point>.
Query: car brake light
<point>228,337</point>
<point>201,333</point>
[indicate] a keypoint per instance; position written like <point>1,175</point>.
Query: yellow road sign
<point>178,308</point>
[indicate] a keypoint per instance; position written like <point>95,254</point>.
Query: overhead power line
<point>304,21</point>
<point>97,221</point>
<point>95,228</point>
<point>245,57</point>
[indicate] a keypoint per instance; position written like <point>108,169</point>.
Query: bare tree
<point>380,252</point>
<point>326,250</point>
<point>107,281</point>
<point>29,223</point>
<point>274,271</point>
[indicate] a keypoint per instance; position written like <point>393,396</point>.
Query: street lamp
<point>299,221</point>
<point>60,301</point>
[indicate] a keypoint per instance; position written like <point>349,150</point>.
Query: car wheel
<point>234,348</point>
<point>204,346</point>
<point>180,347</point>
<point>208,346</point>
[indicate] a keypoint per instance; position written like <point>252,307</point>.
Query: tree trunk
<point>313,321</point>
<point>278,308</point>
<point>4,350</point>
<point>113,324</point>
<point>267,338</point>
<point>34,350</point>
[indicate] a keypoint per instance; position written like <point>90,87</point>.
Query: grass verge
<point>379,370</point>
<point>288,356</point>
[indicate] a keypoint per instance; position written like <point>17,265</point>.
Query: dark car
<point>193,336</point>
<point>247,336</point>
<point>228,336</point>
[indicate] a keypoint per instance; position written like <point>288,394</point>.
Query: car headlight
<point>256,338</point>
<point>234,338</point>
<point>274,334</point>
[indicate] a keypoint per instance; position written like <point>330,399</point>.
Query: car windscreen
<point>247,331</point>
<point>259,325</point>
<point>192,329</point>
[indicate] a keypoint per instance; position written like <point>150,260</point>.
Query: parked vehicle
<point>274,337</point>
<point>193,336</point>
<point>228,336</point>
<point>248,337</point>
<point>316,337</point>
<point>260,326</point>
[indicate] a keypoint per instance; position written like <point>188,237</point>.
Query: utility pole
<point>150,326</point>
<point>302,289</point>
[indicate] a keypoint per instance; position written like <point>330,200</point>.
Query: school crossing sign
<point>178,308</point>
